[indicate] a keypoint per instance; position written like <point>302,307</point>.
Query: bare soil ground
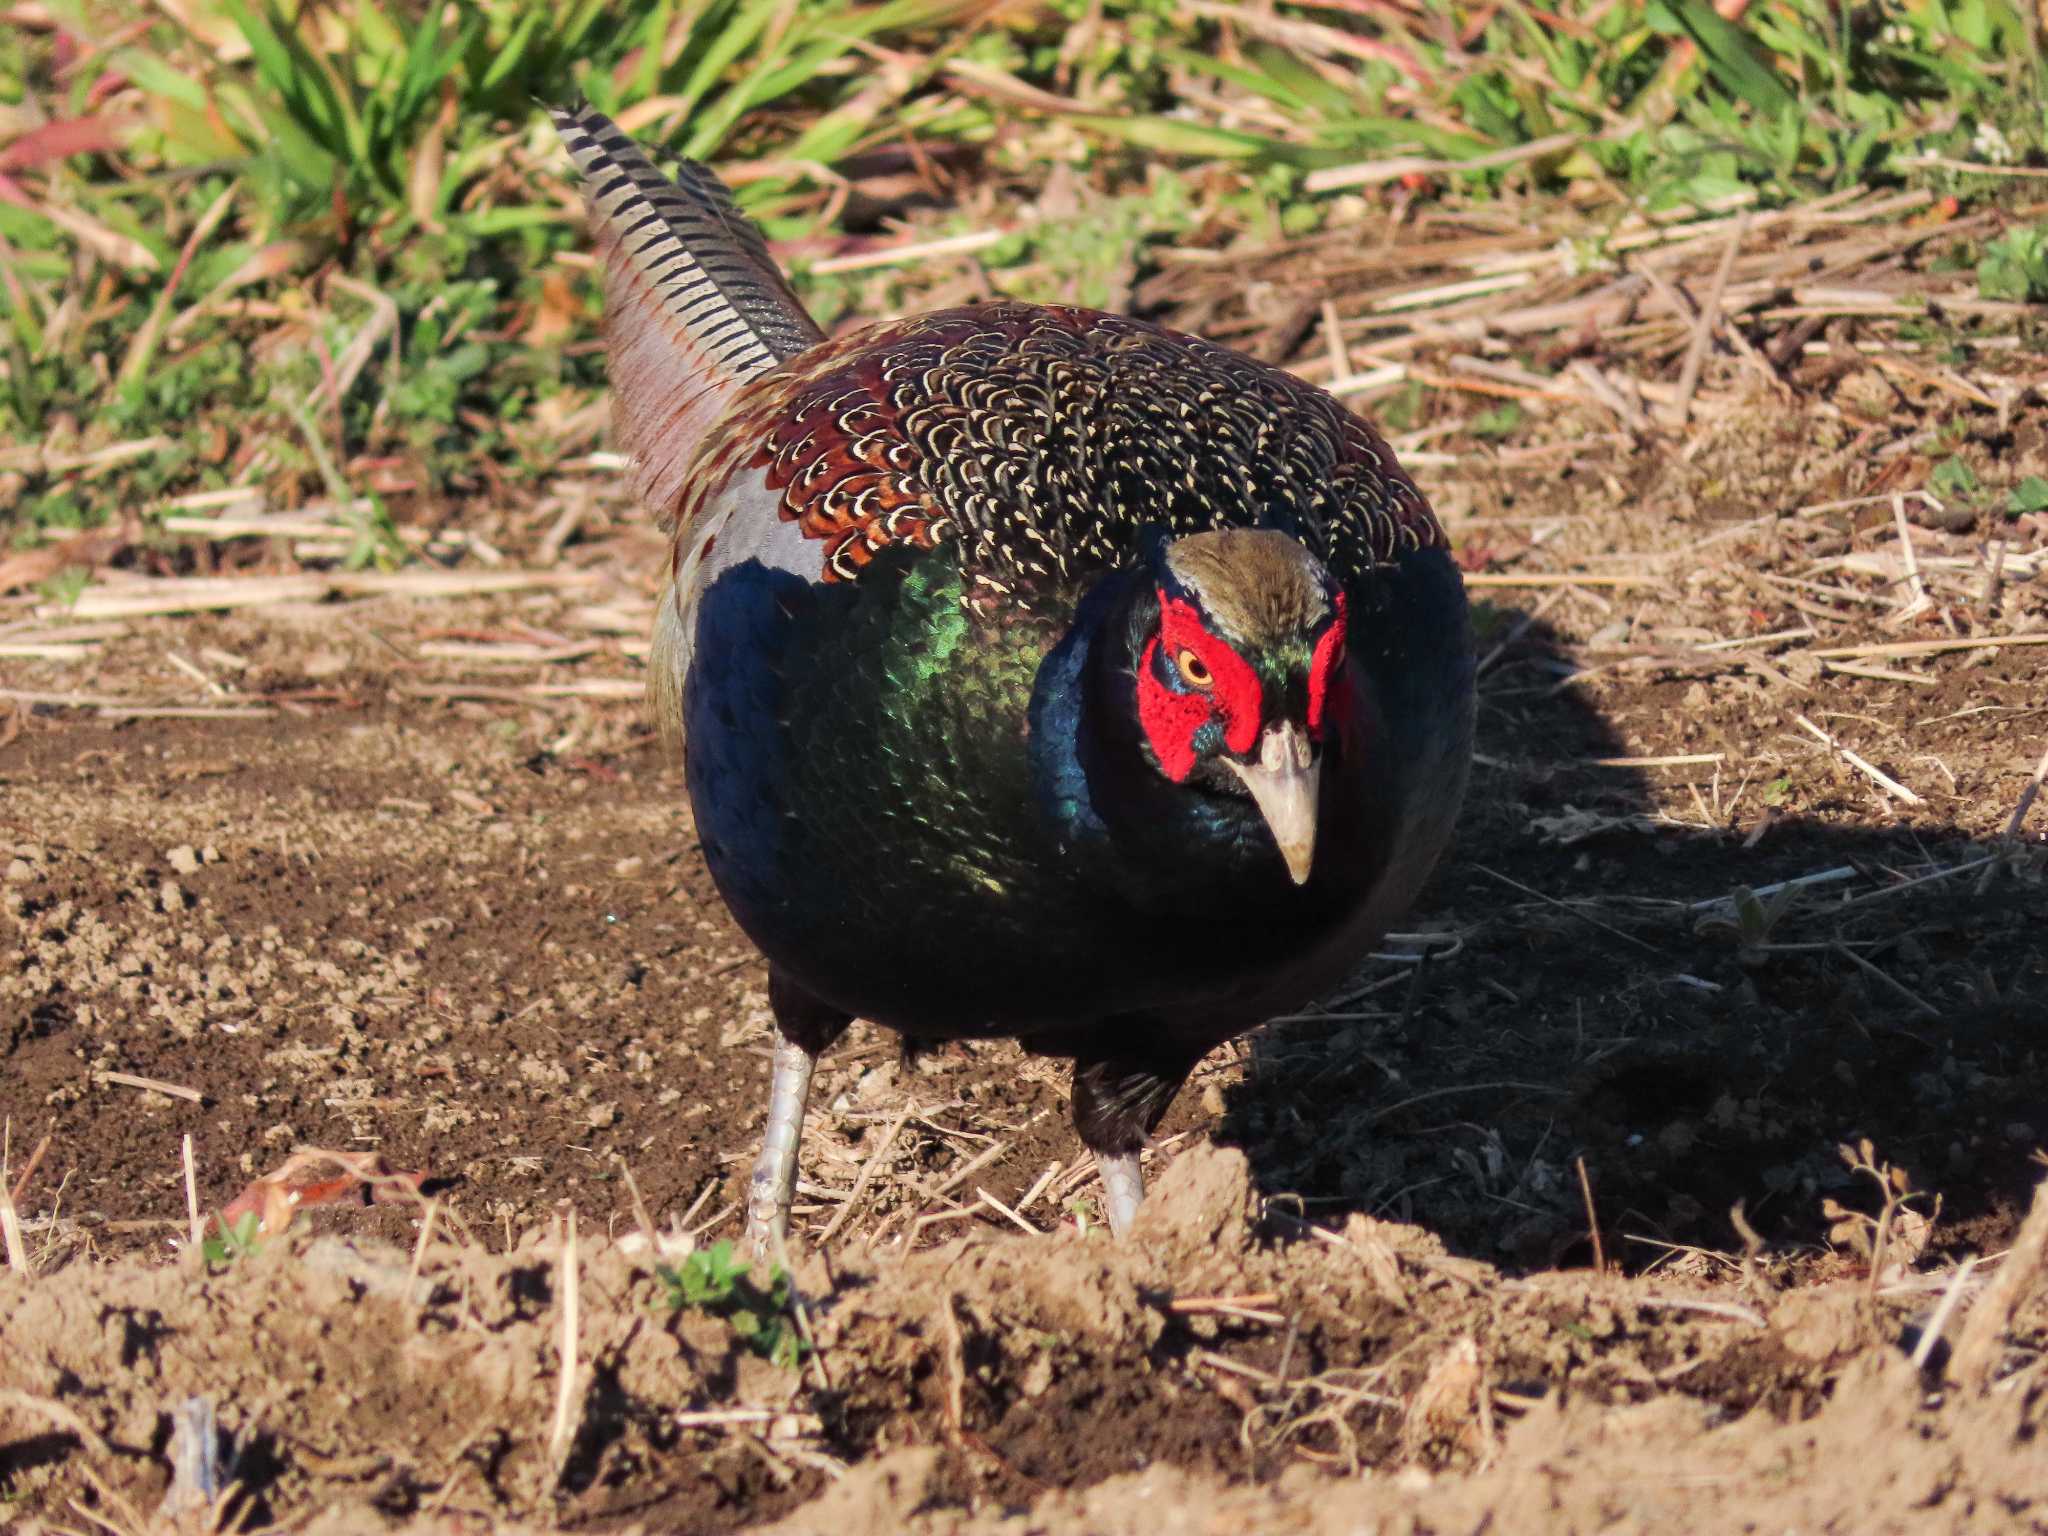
<point>1459,1250</point>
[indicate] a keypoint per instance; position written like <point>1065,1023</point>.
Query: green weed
<point>225,1244</point>
<point>2030,495</point>
<point>1750,922</point>
<point>2015,266</point>
<point>1500,421</point>
<point>1954,478</point>
<point>714,1281</point>
<point>65,586</point>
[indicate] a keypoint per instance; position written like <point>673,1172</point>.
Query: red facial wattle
<point>1172,717</point>
<point>1323,669</point>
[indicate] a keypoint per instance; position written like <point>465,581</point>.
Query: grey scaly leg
<point>1118,1101</point>
<point>804,1027</point>
<point>1123,1187</point>
<point>773,1185</point>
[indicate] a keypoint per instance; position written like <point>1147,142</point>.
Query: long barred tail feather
<point>694,304</point>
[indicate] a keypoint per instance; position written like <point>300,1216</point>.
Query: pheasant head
<point>1238,676</point>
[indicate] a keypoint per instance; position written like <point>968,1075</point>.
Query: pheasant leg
<point>1118,1100</point>
<point>1123,1186</point>
<point>804,1027</point>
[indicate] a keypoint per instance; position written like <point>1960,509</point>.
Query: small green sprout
<point>1955,479</point>
<point>1751,921</point>
<point>225,1244</point>
<point>2030,495</point>
<point>2015,266</point>
<point>1498,422</point>
<point>715,1281</point>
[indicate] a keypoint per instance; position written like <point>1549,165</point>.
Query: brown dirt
<point>1370,1381</point>
<point>474,937</point>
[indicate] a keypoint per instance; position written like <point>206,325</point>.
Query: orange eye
<point>1193,670</point>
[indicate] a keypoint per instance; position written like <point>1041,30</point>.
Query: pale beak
<point>1283,783</point>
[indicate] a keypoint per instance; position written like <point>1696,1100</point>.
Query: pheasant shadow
<point>1601,1003</point>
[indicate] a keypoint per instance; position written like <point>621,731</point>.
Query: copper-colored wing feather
<point>1043,443</point>
<point>694,304</point>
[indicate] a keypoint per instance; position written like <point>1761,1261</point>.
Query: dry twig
<point>566,1286</point>
<point>1980,1347</point>
<point>1863,765</point>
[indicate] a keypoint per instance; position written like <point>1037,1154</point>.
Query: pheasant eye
<point>1194,671</point>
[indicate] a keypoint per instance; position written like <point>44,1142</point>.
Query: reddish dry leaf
<point>558,314</point>
<point>1481,553</point>
<point>1473,555</point>
<point>90,550</point>
<point>105,88</point>
<point>62,139</point>
<point>305,1180</point>
<point>273,261</point>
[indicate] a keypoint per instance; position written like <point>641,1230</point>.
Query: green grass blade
<point>376,34</point>
<point>1280,93</point>
<point>157,78</point>
<point>576,21</point>
<point>733,39</point>
<point>1731,58</point>
<point>280,135</point>
<point>510,58</point>
<point>291,70</point>
<point>653,34</point>
<point>1199,141</point>
<point>489,223</point>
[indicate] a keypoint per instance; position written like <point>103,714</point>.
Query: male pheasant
<point>1042,673</point>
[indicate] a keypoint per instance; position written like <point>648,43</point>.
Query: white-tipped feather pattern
<point>694,304</point>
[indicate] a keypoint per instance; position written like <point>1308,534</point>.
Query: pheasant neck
<point>1203,830</point>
